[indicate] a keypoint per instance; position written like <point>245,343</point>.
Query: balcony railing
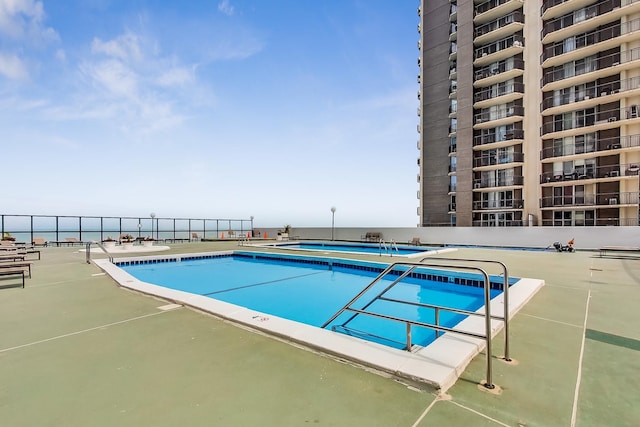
<point>500,223</point>
<point>591,119</point>
<point>588,222</point>
<point>56,228</point>
<point>498,159</point>
<point>506,182</point>
<point>500,67</point>
<point>498,204</point>
<point>486,115</point>
<point>605,144</point>
<point>605,171</point>
<point>598,199</point>
<point>569,19</point>
<point>511,18</point>
<point>547,4</point>
<point>589,38</point>
<point>490,138</point>
<point>493,91</point>
<point>578,68</point>
<point>584,93</point>
<point>515,40</point>
<point>488,5</point>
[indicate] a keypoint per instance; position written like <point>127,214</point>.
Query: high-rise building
<point>529,112</point>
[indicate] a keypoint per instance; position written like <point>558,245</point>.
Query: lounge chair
<point>415,241</point>
<point>39,241</point>
<point>195,237</point>
<point>72,241</point>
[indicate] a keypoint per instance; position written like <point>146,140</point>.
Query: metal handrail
<point>505,291</point>
<point>88,252</point>
<point>412,266</point>
<point>387,250</point>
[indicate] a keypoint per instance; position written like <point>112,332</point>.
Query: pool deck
<point>78,350</point>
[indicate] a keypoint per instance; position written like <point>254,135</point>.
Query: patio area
<point>78,350</point>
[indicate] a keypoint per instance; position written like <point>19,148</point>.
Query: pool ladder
<point>410,267</point>
<point>88,252</point>
<point>387,249</point>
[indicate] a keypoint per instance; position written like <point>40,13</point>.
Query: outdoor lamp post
<point>333,215</point>
<point>251,226</point>
<point>152,215</point>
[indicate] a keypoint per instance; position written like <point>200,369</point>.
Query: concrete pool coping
<point>283,245</point>
<point>438,365</point>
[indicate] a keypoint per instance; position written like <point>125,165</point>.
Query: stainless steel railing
<point>409,323</point>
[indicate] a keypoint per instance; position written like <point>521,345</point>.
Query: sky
<point>277,109</point>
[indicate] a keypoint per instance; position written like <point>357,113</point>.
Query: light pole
<point>251,226</point>
<point>152,215</point>
<point>333,215</point>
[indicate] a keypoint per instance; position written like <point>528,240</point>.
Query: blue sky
<point>278,109</point>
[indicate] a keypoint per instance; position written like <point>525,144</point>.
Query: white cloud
<point>125,47</point>
<point>177,76</point>
<point>13,67</point>
<point>225,7</point>
<point>61,55</point>
<point>114,76</point>
<point>23,20</point>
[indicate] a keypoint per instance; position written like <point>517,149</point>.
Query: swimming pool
<point>311,292</point>
<point>437,364</point>
<point>385,248</point>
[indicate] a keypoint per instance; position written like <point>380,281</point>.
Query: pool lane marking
<point>263,283</point>
<point>574,413</point>
<point>81,332</point>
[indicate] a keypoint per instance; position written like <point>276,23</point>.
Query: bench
<point>372,236</point>
<point>69,241</point>
<point>13,272</point>
<point>619,249</point>
<point>176,240</point>
<point>22,265</point>
<point>12,257</point>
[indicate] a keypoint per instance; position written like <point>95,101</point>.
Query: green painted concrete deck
<point>77,350</point>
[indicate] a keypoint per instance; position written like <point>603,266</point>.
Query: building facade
<point>529,112</point>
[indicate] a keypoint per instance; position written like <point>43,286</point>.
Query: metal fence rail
<point>86,228</point>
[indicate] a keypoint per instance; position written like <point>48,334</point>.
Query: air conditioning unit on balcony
<point>614,173</point>
<point>612,119</point>
<point>613,201</point>
<point>476,185</point>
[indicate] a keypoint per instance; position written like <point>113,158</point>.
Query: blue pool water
<point>308,291</point>
<point>373,248</point>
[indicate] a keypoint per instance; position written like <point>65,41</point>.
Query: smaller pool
<point>360,248</point>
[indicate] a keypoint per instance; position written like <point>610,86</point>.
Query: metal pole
<point>408,336</point>
<point>333,215</point>
<point>487,324</point>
